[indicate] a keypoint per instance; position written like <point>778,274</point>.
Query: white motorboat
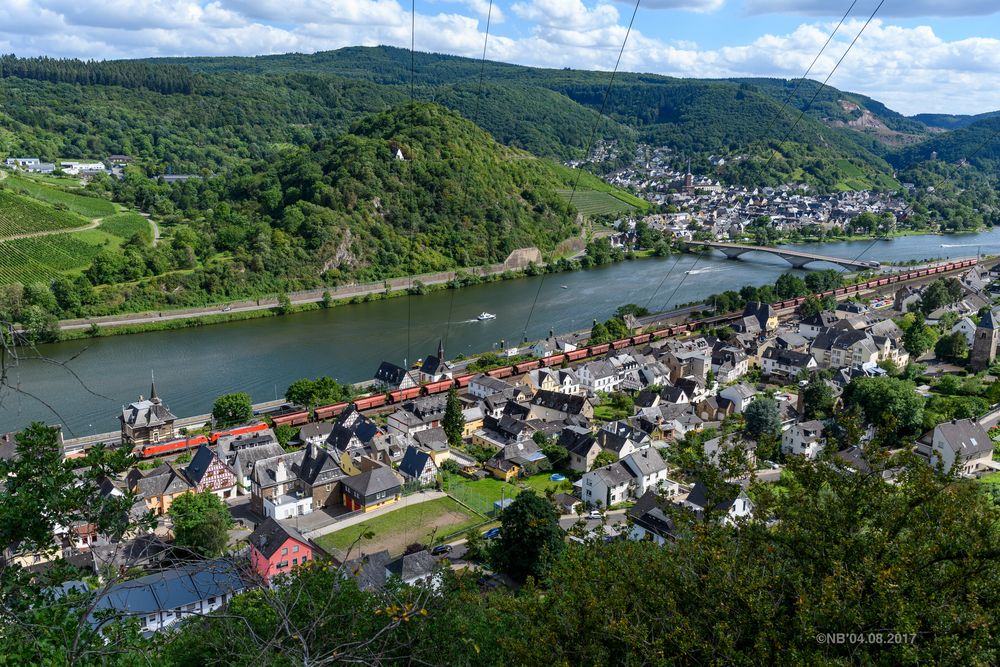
<point>486,316</point>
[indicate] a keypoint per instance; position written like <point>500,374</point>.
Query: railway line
<point>385,400</point>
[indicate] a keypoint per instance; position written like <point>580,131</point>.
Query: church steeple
<point>440,350</point>
<point>152,389</point>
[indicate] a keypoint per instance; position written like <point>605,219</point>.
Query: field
<point>42,258</point>
<point>591,202</point>
<point>127,225</point>
<point>88,207</point>
<point>397,529</point>
<point>481,494</point>
<point>22,215</point>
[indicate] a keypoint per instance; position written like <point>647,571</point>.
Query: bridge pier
<point>797,262</point>
<point>733,253</point>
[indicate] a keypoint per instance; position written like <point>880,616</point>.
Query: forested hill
<point>417,175</point>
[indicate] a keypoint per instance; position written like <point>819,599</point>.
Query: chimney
<point>280,472</point>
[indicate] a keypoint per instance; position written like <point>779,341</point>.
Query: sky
<point>916,56</point>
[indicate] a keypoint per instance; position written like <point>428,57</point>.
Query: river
<point>193,366</point>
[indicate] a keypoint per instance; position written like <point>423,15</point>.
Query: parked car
<point>595,514</point>
<point>441,550</point>
<point>491,534</point>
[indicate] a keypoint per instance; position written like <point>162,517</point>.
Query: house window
<point>305,558</point>
<point>295,549</point>
<point>284,552</point>
<point>211,600</point>
<point>283,564</point>
<point>295,561</point>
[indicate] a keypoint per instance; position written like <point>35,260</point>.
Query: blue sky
<point>916,56</point>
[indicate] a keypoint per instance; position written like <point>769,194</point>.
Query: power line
<point>822,86</point>
<point>413,180</point>
<point>663,280</point>
<point>802,79</point>
<point>475,121</point>
<point>590,145</point>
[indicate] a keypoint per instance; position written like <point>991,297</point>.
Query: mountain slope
<point>952,122</point>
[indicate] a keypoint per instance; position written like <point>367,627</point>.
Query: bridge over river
<point>796,258</point>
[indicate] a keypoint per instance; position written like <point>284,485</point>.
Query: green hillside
<point>23,215</point>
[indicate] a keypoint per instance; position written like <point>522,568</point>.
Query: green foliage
<point>605,458</point>
<point>530,538</point>
<point>919,337</point>
<point>887,402</point>
<point>232,409</point>
<point>321,391</point>
<point>201,523</point>
<point>817,397</point>
<point>62,198</point>
<point>763,424</point>
<point>953,347</point>
<point>453,422</point>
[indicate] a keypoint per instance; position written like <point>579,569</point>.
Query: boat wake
<point>961,245</point>
<point>696,272</point>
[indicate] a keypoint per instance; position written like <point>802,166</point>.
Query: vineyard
<point>43,258</point>
<point>21,215</point>
<point>591,202</point>
<point>89,207</point>
<point>127,225</point>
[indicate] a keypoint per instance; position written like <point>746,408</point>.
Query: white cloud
<point>690,5</point>
<point>905,8</point>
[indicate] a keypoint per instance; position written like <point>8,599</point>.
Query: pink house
<point>276,550</point>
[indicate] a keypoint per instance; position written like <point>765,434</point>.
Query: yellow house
<point>504,470</point>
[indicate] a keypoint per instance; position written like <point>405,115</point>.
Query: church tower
<point>984,346</point>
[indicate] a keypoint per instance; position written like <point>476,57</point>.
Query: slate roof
<point>613,475</point>
<point>372,482</point>
<point>245,459</point>
<point>413,463</point>
<point>645,462</point>
<point>164,480</point>
<point>270,535</point>
<point>167,590</point>
<point>967,438</point>
<point>146,413</point>
<point>413,566</point>
<point>822,319</point>
<point>350,424</point>
<point>199,464</point>
<point>369,570</point>
<point>318,466</point>
<point>390,374</point>
<point>649,513</point>
<point>788,357</point>
<point>553,400</point>
<point>989,321</point>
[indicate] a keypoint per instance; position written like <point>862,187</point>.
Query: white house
<point>740,394</point>
<point>606,486</point>
<point>598,376</point>
<point>803,439</point>
<point>482,386</point>
<point>786,363</point>
<point>649,472</point>
<point>740,506</point>
<point>165,598</point>
<point>967,328</point>
<point>962,442</point>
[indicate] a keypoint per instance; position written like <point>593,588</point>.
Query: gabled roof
<point>414,462</point>
<point>199,464</point>
<point>648,512</point>
<point>967,438</point>
<point>352,424</point>
<point>318,466</point>
<point>989,321</point>
<point>167,590</point>
<point>612,475</point>
<point>368,570</point>
<point>413,566</point>
<point>390,374</point>
<point>165,480</point>
<point>645,462</point>
<point>553,400</point>
<point>271,535</point>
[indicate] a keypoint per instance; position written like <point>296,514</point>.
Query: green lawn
<point>481,494</point>
<point>992,478</point>
<point>396,529</point>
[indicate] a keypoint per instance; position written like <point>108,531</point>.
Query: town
<point>698,207</point>
<point>411,488</point>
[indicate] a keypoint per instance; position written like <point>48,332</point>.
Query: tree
<point>605,458</point>
<point>817,398</point>
<point>790,286</point>
<point>232,409</point>
<point>327,300</point>
<point>887,402</point>
<point>953,347</point>
<point>453,422</point>
<point>762,419</point>
<point>919,338</point>
<point>201,523</point>
<point>530,538</point>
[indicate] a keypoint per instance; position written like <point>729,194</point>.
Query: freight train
<point>301,417</point>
